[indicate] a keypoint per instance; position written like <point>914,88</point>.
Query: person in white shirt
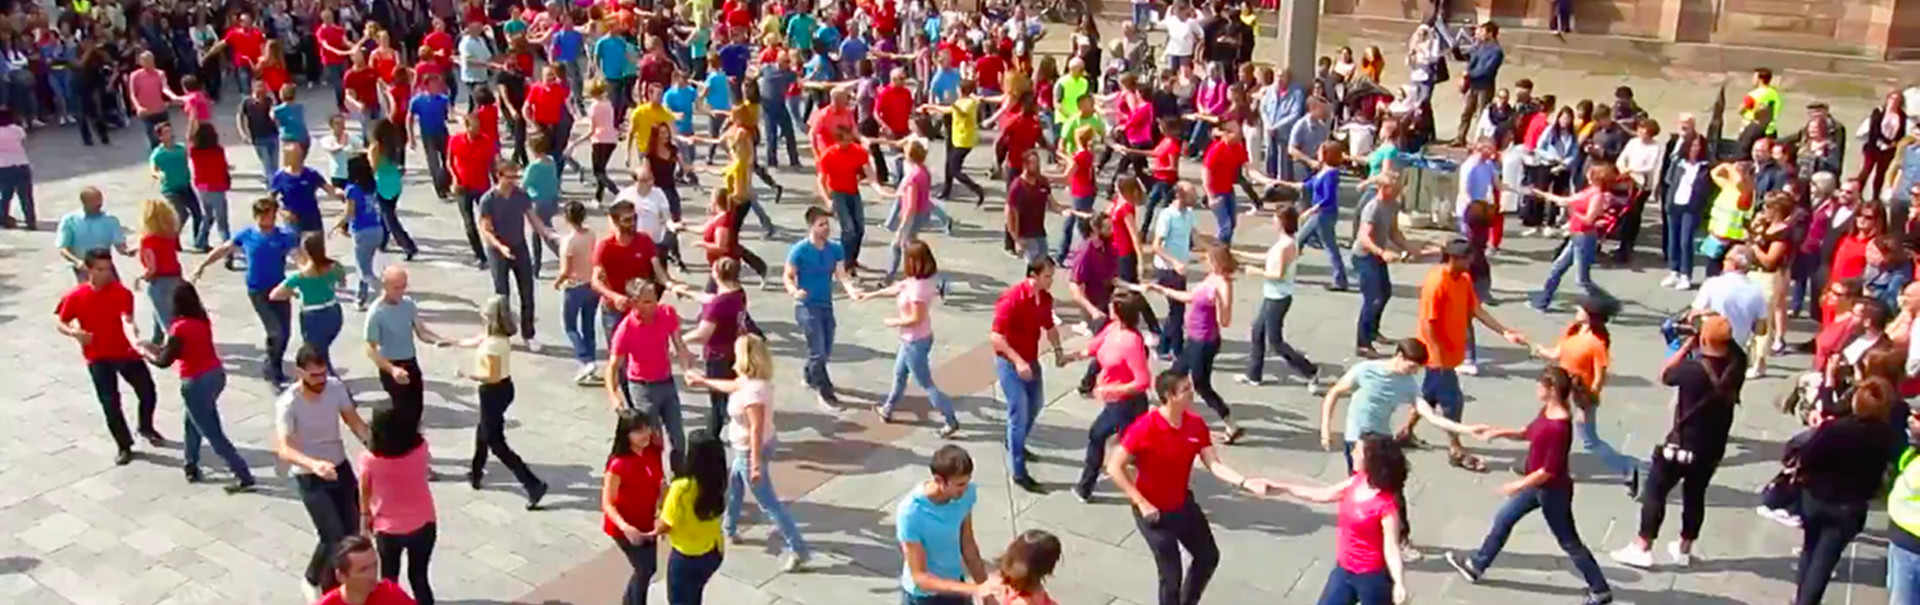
<point>1733,296</point>
<point>1183,35</point>
<point>1640,162</point>
<point>651,215</point>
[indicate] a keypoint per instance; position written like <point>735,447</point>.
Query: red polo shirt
<point>246,44</point>
<point>99,312</point>
<point>893,105</point>
<point>1021,315</point>
<point>547,101</point>
<point>841,165</point>
<point>335,36</point>
<point>624,263</point>
<point>825,121</point>
<point>363,84</point>
<point>1163,455</point>
<point>470,159</point>
<point>386,593</point>
<point>1223,163</point>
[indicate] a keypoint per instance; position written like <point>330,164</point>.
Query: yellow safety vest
<point>1071,89</point>
<point>1768,96</point>
<point>1903,502</point>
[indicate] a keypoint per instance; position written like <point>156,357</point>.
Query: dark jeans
<point>1347,588</point>
<point>687,576</point>
<point>1183,527</point>
<point>1692,479</point>
<point>1826,529</point>
<point>418,547</point>
<point>956,159</point>
<point>201,394</point>
<point>1114,417</point>
<point>778,123</point>
<point>186,207</point>
<point>1269,332</point>
<point>645,560</point>
<point>1196,360</point>
<point>334,507</point>
<point>1556,504</point>
<point>718,368</point>
<point>1376,288</point>
<point>390,217</point>
<point>601,154</point>
<point>466,202</point>
<point>408,400</point>
<point>93,112</point>
<point>521,267</point>
<point>435,147</point>
<point>107,374</point>
<point>1173,324</point>
<point>817,325</point>
<point>17,182</point>
<point>934,599</point>
<point>491,434</point>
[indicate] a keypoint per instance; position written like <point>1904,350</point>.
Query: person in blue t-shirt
<point>265,245</point>
<point>717,93</point>
<point>680,99</point>
<point>564,48</point>
<point>735,55</point>
<point>616,57</point>
<point>362,221</point>
<point>291,117</point>
<point>297,188</point>
<point>812,266</point>
<point>428,113</point>
<point>934,527</point>
<point>1322,190</point>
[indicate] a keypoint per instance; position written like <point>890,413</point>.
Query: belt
<point>321,306</point>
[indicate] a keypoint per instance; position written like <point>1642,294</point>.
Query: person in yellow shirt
<point>690,518</point>
<point>649,114</point>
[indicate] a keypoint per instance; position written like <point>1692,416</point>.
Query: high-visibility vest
<point>1903,501</point>
<point>1768,96</point>
<point>1072,87</point>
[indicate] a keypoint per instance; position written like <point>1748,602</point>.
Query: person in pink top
<point>1021,571</point>
<point>1121,354</point>
<point>913,297</point>
<point>396,506</point>
<point>646,345</point>
<point>194,100</point>
<point>147,89</point>
<point>1367,565</point>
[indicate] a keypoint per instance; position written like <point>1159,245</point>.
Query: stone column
<point>1686,20</point>
<point>1298,31</point>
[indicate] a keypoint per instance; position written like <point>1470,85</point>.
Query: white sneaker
<point>1315,389</point>
<point>1243,379</point>
<point>1753,373</point>
<point>533,346</point>
<point>585,374</point>
<point>1632,557</point>
<point>1671,279</point>
<point>1468,369</point>
<point>1681,559</point>
<point>1683,284</point>
<point>792,563</point>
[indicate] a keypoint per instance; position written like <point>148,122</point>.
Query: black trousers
<point>334,507</point>
<point>93,112</point>
<point>1183,527</point>
<point>468,199</point>
<point>1692,479</point>
<point>1269,332</point>
<point>390,214</point>
<point>956,157</point>
<point>435,146</point>
<point>645,559</point>
<point>107,374</point>
<point>418,548</point>
<point>718,368</point>
<point>1629,228</point>
<point>1826,530</point>
<point>602,153</point>
<point>491,434</point>
<point>408,400</point>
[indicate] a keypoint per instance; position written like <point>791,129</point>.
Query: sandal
<point>1233,435</point>
<point>1467,461</point>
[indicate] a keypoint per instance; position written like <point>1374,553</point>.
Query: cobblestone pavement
<point>80,530</point>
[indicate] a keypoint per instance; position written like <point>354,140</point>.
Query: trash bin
<point>1430,184</point>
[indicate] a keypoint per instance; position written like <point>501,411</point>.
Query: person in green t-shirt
<point>320,314</point>
<point>168,165</point>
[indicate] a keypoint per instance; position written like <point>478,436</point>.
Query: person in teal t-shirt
<point>169,165</point>
<point>542,182</point>
<point>320,317</point>
<point>800,29</point>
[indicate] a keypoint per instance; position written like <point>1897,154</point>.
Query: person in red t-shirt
<point>470,156</point>
<point>334,48</point>
<point>98,314</point>
<point>246,44</point>
<point>621,257</point>
<point>356,566</point>
<point>1021,316</point>
<point>1225,163</point>
<point>843,168</point>
<point>1161,446</point>
<point>362,84</point>
<point>632,492</point>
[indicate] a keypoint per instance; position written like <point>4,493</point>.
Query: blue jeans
<point>1142,13</point>
<point>1376,288</point>
<point>1589,432</point>
<point>576,314</point>
<point>160,293</point>
<point>213,212</point>
<point>267,149</point>
<point>1276,147</point>
<point>1556,504</point>
<point>17,181</point>
<point>739,480</point>
<point>60,81</point>
<point>1903,576</point>
<point>853,223</point>
<point>365,243</point>
<point>913,360</point>
<point>817,324</point>
<point>319,326</point>
<point>1114,418</point>
<point>1023,406</point>
<point>1347,588</point>
<point>1681,225</point>
<point>896,249</point>
<point>1159,194</point>
<point>1071,227</point>
<point>687,576</point>
<point>1578,254</point>
<point>201,395</point>
<point>1224,217</point>
<point>907,598</point>
<point>778,123</point>
<point>1319,230</point>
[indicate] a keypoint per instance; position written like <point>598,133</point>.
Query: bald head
<point>393,284</point>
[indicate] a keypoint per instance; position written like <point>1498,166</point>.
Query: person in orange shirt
<point>1448,307</point>
<point>1583,353</point>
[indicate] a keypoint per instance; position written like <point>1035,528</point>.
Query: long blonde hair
<point>157,218</point>
<point>751,357</point>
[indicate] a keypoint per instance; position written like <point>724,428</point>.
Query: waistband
<point>335,303</point>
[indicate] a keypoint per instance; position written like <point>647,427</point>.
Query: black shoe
<point>153,438</point>
<point>1633,484</point>
<point>778,194</point>
<point>123,457</point>
<point>1027,483</point>
<point>534,494</point>
<point>193,475</point>
<point>1084,496</point>
<point>473,480</point>
<point>412,253</point>
<point>243,487</point>
<point>1465,567</point>
<point>1028,452</point>
<point>1598,598</point>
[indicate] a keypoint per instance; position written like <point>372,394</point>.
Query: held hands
<point>1515,337</point>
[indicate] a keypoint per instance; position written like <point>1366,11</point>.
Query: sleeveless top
<point>1276,289</point>
<point>1203,323</point>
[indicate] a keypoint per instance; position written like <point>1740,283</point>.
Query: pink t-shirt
<point>397,490</point>
<point>916,204</point>
<point>1577,209</point>
<point>1122,355</point>
<point>916,291</point>
<point>1139,121</point>
<point>648,345</point>
<point>199,107</point>
<point>147,87</point>
<point>601,115</point>
<point>1361,540</point>
<point>13,145</point>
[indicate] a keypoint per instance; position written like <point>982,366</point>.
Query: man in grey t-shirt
<point>1304,140</point>
<point>1377,241</point>
<point>307,419</point>
<point>392,324</point>
<point>504,213</point>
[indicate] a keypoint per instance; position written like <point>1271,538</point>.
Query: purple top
<point>1203,315</point>
<point>1094,268</point>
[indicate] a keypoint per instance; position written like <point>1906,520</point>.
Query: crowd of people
<point>1780,232</point>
